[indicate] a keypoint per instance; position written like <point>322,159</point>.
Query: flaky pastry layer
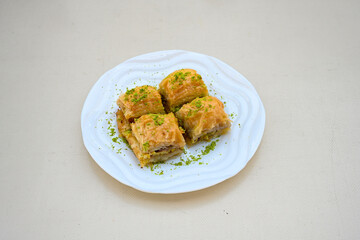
<point>180,87</point>
<point>166,142</point>
<point>140,101</point>
<point>204,118</point>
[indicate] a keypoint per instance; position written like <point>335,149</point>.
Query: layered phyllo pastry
<point>152,137</point>
<point>203,118</point>
<point>140,101</point>
<point>180,87</point>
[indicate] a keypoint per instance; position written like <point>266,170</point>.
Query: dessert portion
<point>140,101</point>
<point>180,87</point>
<point>152,137</point>
<point>203,118</point>
<point>155,136</point>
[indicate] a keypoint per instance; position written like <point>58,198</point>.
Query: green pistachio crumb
<point>146,146</point>
<point>209,147</point>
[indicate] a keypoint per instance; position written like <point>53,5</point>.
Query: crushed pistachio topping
<point>158,119</point>
<point>179,77</point>
<point>131,91</point>
<point>177,108</point>
<point>146,146</point>
<point>199,104</point>
<point>137,96</point>
<point>127,131</point>
<point>182,130</point>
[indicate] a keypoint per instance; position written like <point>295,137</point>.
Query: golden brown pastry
<point>140,101</point>
<point>152,137</point>
<point>204,118</point>
<point>180,87</point>
<point>125,131</point>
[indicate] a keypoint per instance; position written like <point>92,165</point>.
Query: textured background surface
<point>303,58</point>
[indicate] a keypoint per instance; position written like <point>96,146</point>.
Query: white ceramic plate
<point>232,152</point>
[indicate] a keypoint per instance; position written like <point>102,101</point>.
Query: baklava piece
<point>152,137</point>
<point>140,101</point>
<point>180,87</point>
<point>204,118</point>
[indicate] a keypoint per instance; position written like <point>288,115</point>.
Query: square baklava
<point>203,118</point>
<point>152,137</point>
<point>180,87</point>
<point>140,101</point>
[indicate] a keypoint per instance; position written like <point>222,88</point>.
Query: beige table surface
<point>303,57</point>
